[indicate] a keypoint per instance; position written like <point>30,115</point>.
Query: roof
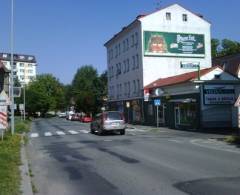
<point>144,15</point>
<point>230,63</point>
<point>2,66</point>
<point>182,78</point>
<point>18,57</point>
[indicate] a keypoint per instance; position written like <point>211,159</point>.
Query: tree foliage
<point>44,94</point>
<point>88,89</point>
<point>224,47</point>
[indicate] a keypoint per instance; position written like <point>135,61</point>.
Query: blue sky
<point>66,34</point>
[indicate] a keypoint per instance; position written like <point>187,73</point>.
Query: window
<point>116,51</point>
<point>30,71</point>
<point>124,46</point>
<point>168,16</point>
<point>21,64</point>
<point>127,43</point>
<point>120,90</point>
<point>127,65</point>
<point>137,61</point>
<point>128,89</point>
<point>138,87</point>
<point>184,17</point>
<point>134,87</point>
<point>136,39</point>
<point>119,49</point>
<point>21,70</point>
<point>133,60</point>
<point>132,37</point>
<point>30,58</point>
<point>30,65</point>
<point>21,57</point>
<point>124,64</point>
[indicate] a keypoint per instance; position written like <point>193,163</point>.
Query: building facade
<point>24,66</point>
<point>153,46</point>
<point>4,78</point>
<point>191,102</point>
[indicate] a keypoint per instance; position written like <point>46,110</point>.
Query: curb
<point>26,187</point>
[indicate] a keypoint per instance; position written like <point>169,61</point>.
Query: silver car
<point>108,121</point>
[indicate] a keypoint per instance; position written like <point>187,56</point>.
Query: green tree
<point>229,47</point>
<point>85,89</point>
<point>215,43</point>
<point>44,94</point>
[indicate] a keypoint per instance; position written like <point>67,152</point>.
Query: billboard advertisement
<point>173,44</point>
<point>218,94</point>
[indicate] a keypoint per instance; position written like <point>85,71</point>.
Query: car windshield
<point>113,116</point>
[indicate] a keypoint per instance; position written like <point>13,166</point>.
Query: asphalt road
<point>66,159</point>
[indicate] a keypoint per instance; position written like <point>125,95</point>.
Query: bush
<point>233,139</point>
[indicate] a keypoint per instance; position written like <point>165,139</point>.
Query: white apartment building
<point>24,66</point>
<point>153,46</point>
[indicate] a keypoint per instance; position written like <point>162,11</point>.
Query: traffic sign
<point>157,102</point>
<point>3,117</point>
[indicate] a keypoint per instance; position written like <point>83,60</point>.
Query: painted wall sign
<point>218,94</point>
<point>173,44</point>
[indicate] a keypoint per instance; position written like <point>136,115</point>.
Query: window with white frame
<point>133,62</point>
<point>132,38</point>
<point>168,16</point>
<point>124,45</point>
<point>124,65</point>
<point>137,61</point>
<point>128,65</point>
<point>129,88</point>
<point>134,87</point>
<point>136,40</point>
<point>184,17</point>
<point>21,64</point>
<point>127,44</point>
<point>116,51</point>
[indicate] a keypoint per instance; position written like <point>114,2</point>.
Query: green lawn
<point>10,160</point>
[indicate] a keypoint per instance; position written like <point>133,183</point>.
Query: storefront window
<point>187,114</point>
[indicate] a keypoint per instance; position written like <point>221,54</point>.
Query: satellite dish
<point>158,92</point>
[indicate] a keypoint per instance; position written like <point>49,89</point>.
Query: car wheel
<point>101,132</point>
<point>122,132</point>
<point>92,130</point>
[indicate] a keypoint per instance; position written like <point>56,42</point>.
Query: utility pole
<point>11,78</point>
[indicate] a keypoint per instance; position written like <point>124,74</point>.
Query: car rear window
<point>113,116</point>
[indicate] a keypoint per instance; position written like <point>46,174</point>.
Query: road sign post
<point>157,103</point>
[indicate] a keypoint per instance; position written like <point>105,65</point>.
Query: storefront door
<point>177,116</point>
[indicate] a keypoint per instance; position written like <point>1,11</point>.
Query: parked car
<point>69,115</point>
<point>75,117</point>
<point>86,119</point>
<point>62,114</point>
<point>108,121</point>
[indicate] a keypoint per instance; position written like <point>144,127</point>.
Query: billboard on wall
<point>218,94</point>
<point>173,44</point>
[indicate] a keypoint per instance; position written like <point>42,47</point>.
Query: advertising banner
<point>173,44</point>
<point>218,94</point>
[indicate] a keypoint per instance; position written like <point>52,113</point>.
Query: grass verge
<point>10,159</point>
<point>9,165</point>
<point>233,139</point>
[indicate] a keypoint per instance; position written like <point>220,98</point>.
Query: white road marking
<point>47,134</point>
<point>34,135</point>
<point>73,132</point>
<point>134,130</point>
<point>60,133</point>
<point>225,147</point>
<point>83,131</point>
<point>176,141</point>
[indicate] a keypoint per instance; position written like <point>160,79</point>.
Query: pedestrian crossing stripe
<point>73,132</point>
<point>47,134</point>
<point>34,135</point>
<point>60,133</point>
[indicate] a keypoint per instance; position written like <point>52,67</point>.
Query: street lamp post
<point>11,78</point>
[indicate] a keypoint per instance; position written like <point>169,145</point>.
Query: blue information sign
<point>157,102</point>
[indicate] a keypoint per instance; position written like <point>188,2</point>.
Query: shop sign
<point>218,94</point>
<point>189,65</point>
<point>173,44</point>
